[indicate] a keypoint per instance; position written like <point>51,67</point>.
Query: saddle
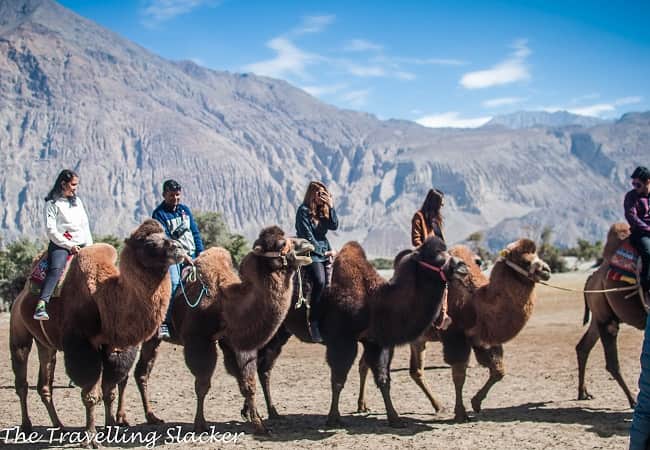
<point>625,264</point>
<point>39,272</point>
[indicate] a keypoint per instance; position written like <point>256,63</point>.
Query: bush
<point>15,264</point>
<point>215,233</point>
<point>382,263</point>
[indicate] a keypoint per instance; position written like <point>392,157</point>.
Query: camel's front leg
<point>362,407</point>
<point>143,369</point>
<point>491,358</point>
<point>121,413</point>
<point>458,373</point>
<point>116,366</point>
<point>266,358</point>
<point>418,353</point>
<point>201,358</point>
<point>90,396</point>
<point>20,346</point>
<point>583,349</point>
<point>47,360</point>
<point>379,359</point>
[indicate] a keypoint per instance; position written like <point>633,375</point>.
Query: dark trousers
<point>318,278</point>
<point>642,244</point>
<point>56,259</point>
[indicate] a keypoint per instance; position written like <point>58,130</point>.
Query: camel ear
<point>504,253</point>
<point>257,249</point>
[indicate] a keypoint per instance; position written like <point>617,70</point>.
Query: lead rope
<point>193,276</point>
<point>301,298</point>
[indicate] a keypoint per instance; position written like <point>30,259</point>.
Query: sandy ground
<point>534,407</point>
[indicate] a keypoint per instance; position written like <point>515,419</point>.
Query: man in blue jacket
<point>179,224</point>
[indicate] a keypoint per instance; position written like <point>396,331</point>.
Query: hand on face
<point>326,198</point>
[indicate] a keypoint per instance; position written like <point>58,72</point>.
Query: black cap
<point>641,173</point>
<point>171,186</point>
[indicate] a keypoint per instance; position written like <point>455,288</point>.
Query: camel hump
<point>477,277</point>
<point>216,267</point>
<point>94,264</point>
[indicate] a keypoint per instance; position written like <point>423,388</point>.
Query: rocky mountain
<point>73,94</point>
<point>529,119</point>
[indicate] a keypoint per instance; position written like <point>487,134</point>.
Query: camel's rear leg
<point>492,358</point>
<point>201,358</point>
<point>47,364</point>
<point>341,351</point>
<point>143,369</point>
<point>583,349</point>
<point>243,366</point>
<point>418,353</point>
<point>608,334</point>
<point>363,376</point>
<point>456,351</point>
<point>379,359</point>
<point>266,358</point>
<point>20,345</point>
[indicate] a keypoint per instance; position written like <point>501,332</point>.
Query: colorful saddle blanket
<point>39,272</point>
<point>624,264</point>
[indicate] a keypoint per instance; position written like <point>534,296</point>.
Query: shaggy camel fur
<point>360,306</point>
<point>485,314</point>
<point>102,314</point>
<point>608,310</point>
<point>241,312</point>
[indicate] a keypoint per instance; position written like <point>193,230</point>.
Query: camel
<point>103,312</point>
<point>485,314</point>
<point>608,310</point>
<point>361,306</point>
<point>240,312</point>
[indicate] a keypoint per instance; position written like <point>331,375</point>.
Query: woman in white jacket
<point>68,231</point>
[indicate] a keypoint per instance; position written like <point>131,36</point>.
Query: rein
<point>438,270</point>
<point>193,276</point>
<point>521,271</point>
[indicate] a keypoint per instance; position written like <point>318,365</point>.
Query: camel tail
<point>585,318</point>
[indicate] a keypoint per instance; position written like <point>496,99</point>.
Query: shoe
<point>40,313</point>
<point>163,331</point>
<point>315,332</point>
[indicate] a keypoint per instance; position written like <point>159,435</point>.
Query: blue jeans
<point>175,273</point>
<point>642,244</point>
<point>57,257</point>
<point>640,430</point>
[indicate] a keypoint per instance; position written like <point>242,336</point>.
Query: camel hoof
<point>476,405</point>
<point>261,430</point>
<point>122,422</point>
<point>363,409</point>
<point>334,422</point>
<point>461,416</point>
<point>153,420</point>
<point>201,427</point>
<point>397,422</point>
<point>585,396</point>
<point>274,414</point>
<point>26,427</point>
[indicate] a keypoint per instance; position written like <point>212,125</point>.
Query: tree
<point>15,263</point>
<point>551,254</point>
<point>111,240</point>
<point>476,243</point>
<point>215,232</point>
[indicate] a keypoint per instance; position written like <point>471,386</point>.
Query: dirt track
<point>534,407</point>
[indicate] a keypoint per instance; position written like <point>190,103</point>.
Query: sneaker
<point>163,331</point>
<point>40,313</point>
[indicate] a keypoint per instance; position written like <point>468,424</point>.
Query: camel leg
<point>116,366</point>
<point>47,364</point>
<point>341,351</point>
<point>20,346</point>
<point>379,359</point>
<point>492,358</point>
<point>143,369</point>
<point>90,396</point>
<point>583,349</point>
<point>416,370</point>
<point>608,334</point>
<point>456,350</point>
<point>363,375</point>
<point>120,417</point>
<point>243,366</point>
<point>201,358</point>
<point>266,358</point>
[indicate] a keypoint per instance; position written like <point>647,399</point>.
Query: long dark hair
<point>65,176</point>
<point>432,206</point>
<point>317,208</point>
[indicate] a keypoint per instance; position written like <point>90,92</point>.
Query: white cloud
<point>356,99</point>
<point>365,71</point>
<point>503,101</point>
<point>198,61</point>
<point>431,61</point>
<point>361,45</point>
<point>451,119</point>
<point>156,11</point>
<point>318,91</point>
<point>314,24</point>
<point>289,60</point>
<point>598,109</point>
<point>508,71</point>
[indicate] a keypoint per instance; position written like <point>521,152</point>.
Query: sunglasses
<point>637,184</point>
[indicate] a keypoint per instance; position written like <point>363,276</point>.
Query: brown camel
<point>102,314</point>
<point>608,310</point>
<point>361,306</point>
<point>241,312</point>
<point>485,314</point>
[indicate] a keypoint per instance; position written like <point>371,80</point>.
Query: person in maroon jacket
<point>637,213</point>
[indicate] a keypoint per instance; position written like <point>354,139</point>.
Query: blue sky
<point>454,63</point>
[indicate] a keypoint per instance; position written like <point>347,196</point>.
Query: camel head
<point>618,232</point>
<point>433,255</point>
<point>152,247</point>
<point>523,254</point>
<point>281,252</point>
